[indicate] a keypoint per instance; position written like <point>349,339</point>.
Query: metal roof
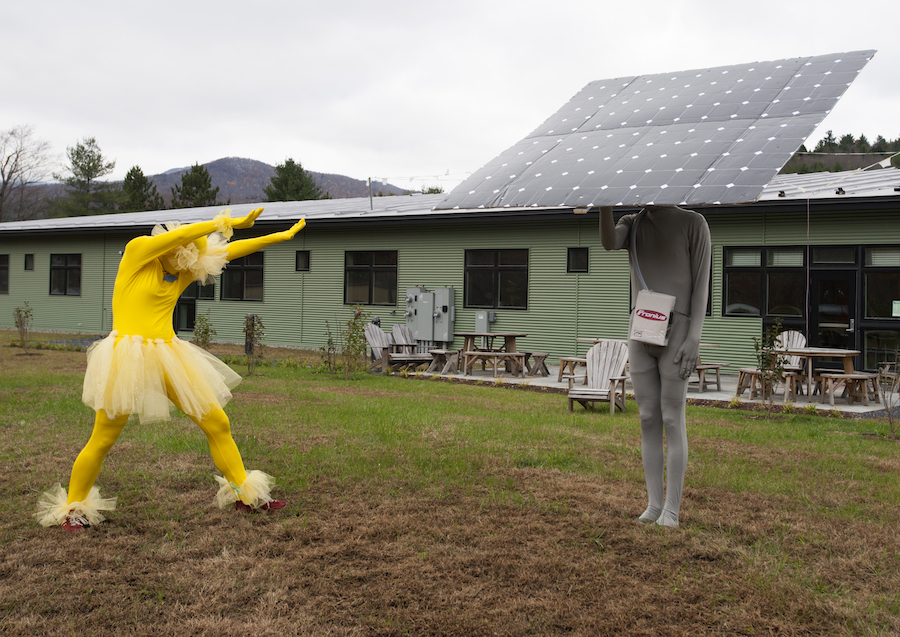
<point>699,137</point>
<point>280,212</point>
<point>883,182</point>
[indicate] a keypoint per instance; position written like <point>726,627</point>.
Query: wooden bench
<point>445,360</point>
<point>535,363</point>
<point>702,369</point>
<point>570,363</point>
<point>750,379</point>
<point>857,385</point>
<point>514,361</point>
<point>383,354</point>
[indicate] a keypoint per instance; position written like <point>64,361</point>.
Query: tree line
<point>25,164</point>
<point>833,154</point>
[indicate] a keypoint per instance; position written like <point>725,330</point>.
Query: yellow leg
<point>224,450</point>
<point>90,460</point>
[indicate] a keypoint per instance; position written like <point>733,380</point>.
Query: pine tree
<point>196,189</point>
<point>139,193</point>
<point>291,183</point>
<point>86,195</point>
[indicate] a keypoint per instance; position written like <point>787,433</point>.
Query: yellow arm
<point>238,249</point>
<point>145,249</point>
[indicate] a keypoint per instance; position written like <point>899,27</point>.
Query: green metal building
<point>819,252</point>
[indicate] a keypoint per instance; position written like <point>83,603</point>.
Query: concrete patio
<point>722,397</point>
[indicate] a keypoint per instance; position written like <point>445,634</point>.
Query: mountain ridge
<point>242,180</point>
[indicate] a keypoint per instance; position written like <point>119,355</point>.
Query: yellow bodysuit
<point>143,368</point>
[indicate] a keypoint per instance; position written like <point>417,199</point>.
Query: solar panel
<point>708,136</point>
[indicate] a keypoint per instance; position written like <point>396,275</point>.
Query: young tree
<point>827,144</point>
<point>196,189</point>
<point>139,193</point>
<point>87,195</point>
<point>291,183</point>
<point>24,162</point>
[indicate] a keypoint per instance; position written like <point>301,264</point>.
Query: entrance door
<point>833,316</point>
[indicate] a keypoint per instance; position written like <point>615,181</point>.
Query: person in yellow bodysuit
<point>143,368</point>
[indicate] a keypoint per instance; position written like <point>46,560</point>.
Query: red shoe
<point>77,523</point>
<point>269,506</point>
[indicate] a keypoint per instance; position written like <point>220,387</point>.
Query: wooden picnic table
<point>812,353</point>
<point>485,346</point>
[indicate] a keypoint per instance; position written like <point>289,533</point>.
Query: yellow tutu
<point>129,375</point>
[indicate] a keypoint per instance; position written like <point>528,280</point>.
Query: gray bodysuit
<point>674,252</point>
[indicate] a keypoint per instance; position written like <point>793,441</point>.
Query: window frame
<point>4,274</point>
<point>587,260</point>
<point>29,262</point>
<point>197,292</point>
<point>374,272</point>
<point>495,271</point>
<point>764,271</point>
<point>298,267</point>
<point>238,269</point>
<point>68,269</point>
<point>868,269</point>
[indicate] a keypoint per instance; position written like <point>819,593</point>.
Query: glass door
<point>834,307</point>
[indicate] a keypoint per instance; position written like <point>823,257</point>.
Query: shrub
<point>254,331</point>
<point>203,331</point>
<point>24,318</point>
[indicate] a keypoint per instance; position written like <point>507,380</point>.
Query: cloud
<point>392,89</point>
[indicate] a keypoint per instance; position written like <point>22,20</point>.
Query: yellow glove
<point>246,222</point>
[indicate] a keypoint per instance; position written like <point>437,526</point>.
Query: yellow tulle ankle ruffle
<point>254,491</point>
<point>53,508</point>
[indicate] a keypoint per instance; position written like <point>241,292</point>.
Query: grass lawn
<point>420,507</point>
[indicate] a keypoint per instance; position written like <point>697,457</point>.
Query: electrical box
<point>444,314</point>
<point>419,304</point>
<point>483,320</point>
<point>430,315</point>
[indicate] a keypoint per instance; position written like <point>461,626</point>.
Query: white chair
<point>606,378</point>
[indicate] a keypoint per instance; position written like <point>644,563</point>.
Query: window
<point>496,279</point>
<point>882,281</point>
<point>302,261</point>
<point>578,260</point>
<point>242,280</point>
<point>786,281</point>
<point>765,282</point>
<point>370,278</point>
<point>4,274</point>
<point>65,274</point>
<point>743,285</point>
<point>29,262</point>
<point>196,291</point>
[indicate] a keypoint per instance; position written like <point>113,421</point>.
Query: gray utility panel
<point>430,315</point>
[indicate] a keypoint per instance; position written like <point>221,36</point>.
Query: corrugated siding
<point>731,338</point>
<point>77,313</point>
<point>561,306</point>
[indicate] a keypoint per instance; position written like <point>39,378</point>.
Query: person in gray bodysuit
<point>673,249</point>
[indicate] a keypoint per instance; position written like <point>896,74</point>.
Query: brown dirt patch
<point>566,559</point>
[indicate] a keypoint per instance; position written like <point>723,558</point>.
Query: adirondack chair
<point>384,354</point>
<point>403,339</point>
<point>605,377</point>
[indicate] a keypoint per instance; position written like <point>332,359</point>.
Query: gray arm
<point>612,236</point>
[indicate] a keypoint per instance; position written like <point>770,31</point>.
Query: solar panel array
<point>708,136</point>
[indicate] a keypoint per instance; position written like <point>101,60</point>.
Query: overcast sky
<point>398,89</point>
